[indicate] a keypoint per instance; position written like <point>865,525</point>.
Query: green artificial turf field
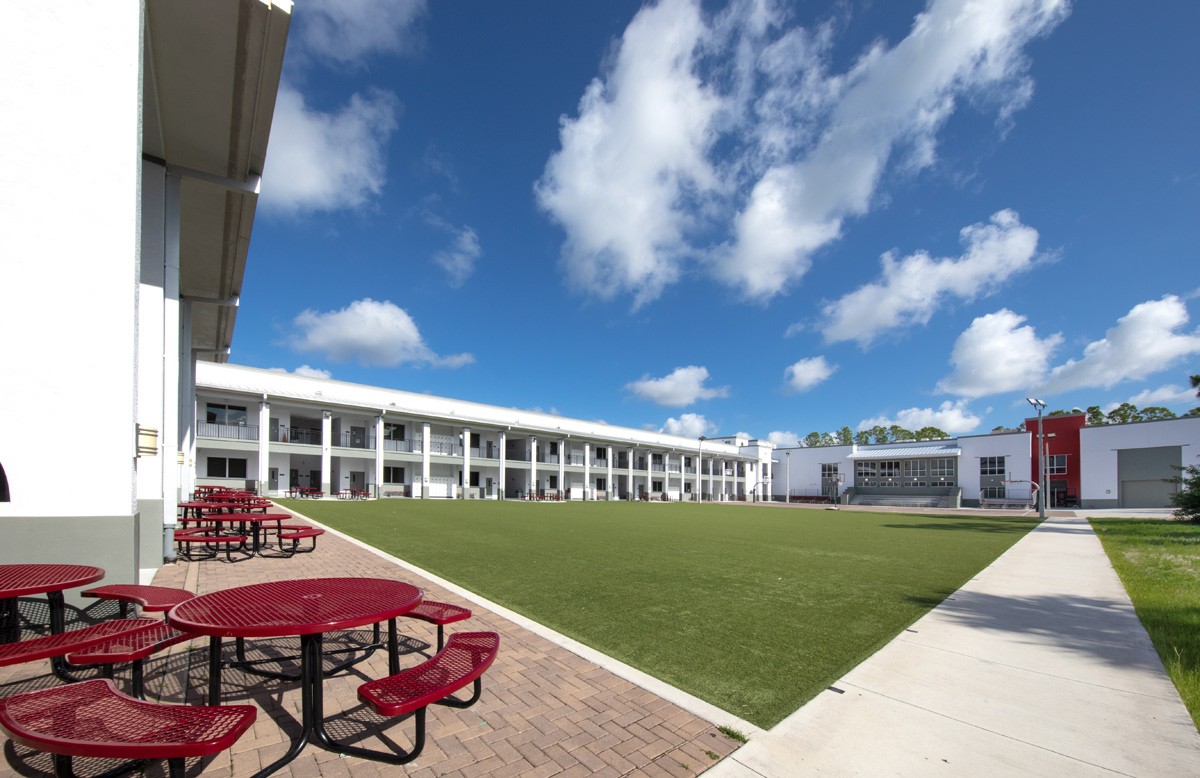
<point>754,609</point>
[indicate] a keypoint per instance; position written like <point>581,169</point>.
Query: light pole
<point>1041,406</point>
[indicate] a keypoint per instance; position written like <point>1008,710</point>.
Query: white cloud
<point>370,332</point>
<point>951,417</point>
<point>327,161</point>
<point>679,389</point>
<point>807,373</point>
<point>304,370</point>
<point>345,32</point>
<point>688,425</point>
<point>459,260</point>
<point>996,354</point>
<point>913,287</point>
<point>734,127</point>
<point>1166,396</point>
<point>784,438</point>
<point>1144,342</point>
<point>634,155</point>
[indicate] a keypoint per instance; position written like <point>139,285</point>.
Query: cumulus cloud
<point>784,438</point>
<point>1144,341</point>
<point>320,161</point>
<point>304,370</point>
<point>729,141</point>
<point>636,151</point>
<point>688,425</point>
<point>996,354</point>
<point>952,417</point>
<point>679,389</point>
<point>344,33</point>
<point>807,373</point>
<point>459,260</point>
<point>375,334</point>
<point>1168,395</point>
<point>912,288</point>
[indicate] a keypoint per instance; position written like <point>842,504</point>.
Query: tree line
<point>1122,414</point>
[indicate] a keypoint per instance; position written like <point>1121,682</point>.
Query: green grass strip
<point>1158,561</point>
<point>753,609</point>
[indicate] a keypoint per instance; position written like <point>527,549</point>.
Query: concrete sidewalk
<point>1038,666</point>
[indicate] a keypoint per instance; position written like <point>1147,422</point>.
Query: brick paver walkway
<point>544,712</point>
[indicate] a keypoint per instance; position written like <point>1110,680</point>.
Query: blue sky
<point>759,217</point>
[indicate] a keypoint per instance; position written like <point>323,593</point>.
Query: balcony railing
<point>451,449</point>
<point>405,446</point>
<point>296,435</point>
<point>355,440</point>
<point>206,429</point>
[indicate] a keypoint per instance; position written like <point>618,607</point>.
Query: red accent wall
<point>1065,441</point>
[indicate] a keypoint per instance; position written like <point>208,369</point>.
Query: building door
<point>293,479</point>
<point>273,479</point>
<point>358,439</point>
<point>487,484</point>
<point>314,479</point>
<point>358,481</point>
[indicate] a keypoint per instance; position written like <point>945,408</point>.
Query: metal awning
<point>907,452</point>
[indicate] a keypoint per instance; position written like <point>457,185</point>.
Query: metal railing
<point>354,440</point>
<point>205,429</point>
<point>296,435</point>
<point>405,446</point>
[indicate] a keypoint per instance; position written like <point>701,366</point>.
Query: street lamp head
<point>1035,402</point>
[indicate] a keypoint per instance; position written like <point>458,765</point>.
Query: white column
<point>264,446</point>
<point>611,486</point>
<point>699,476</point>
<point>629,485</point>
<point>503,441</point>
<point>327,452</point>
<point>722,479</point>
<point>562,463</point>
<point>532,464</point>
<point>466,439</point>
<point>587,472</point>
<point>172,352</point>
<point>424,460</point>
<point>379,455</point>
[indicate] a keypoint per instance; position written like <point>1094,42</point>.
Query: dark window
<point>601,454</point>
<point>474,478</point>
<point>1056,464</point>
<point>687,487</point>
<point>656,486</point>
<point>226,414</point>
<point>991,466</point>
<point>237,468</point>
<point>393,475</point>
<point>553,480</point>
<point>393,432</point>
<point>474,444</point>
<point>600,484</point>
<point>216,467</point>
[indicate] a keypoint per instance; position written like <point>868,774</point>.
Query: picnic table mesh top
<point>295,607</point>
<point>18,580</point>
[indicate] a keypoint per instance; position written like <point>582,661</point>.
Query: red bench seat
<point>93,719</point>
<point>148,598</point>
<point>210,538</point>
<point>49,646</point>
<point>295,533</point>
<point>439,613</point>
<point>130,647</point>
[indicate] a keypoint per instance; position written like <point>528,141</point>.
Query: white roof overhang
<point>907,452</point>
<point>212,72</point>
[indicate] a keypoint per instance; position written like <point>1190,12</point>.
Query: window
<point>474,441</point>
<point>393,475</point>
<point>474,478</point>
<point>829,470</point>
<point>656,486</point>
<point>553,450</point>
<point>553,480</point>
<point>889,469</point>
<point>941,468</point>
<point>220,467</point>
<point>601,484</point>
<point>687,487</point>
<point>1056,464</point>
<point>393,432</point>
<point>864,470</point>
<point>226,414</point>
<point>601,454</point>
<point>992,492</point>
<point>915,468</point>
<point>991,466</point>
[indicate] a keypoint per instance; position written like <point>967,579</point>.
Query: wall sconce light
<point>147,441</point>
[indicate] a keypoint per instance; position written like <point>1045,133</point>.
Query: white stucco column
<point>611,490</point>
<point>466,440</point>
<point>503,446</point>
<point>562,465</point>
<point>629,486</point>
<point>424,460</point>
<point>327,452</point>
<point>264,446</point>
<point>533,454</point>
<point>587,472</point>
<point>722,479</point>
<point>379,455</point>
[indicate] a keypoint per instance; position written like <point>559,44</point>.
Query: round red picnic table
<point>197,506</point>
<point>49,579</point>
<point>305,607</point>
<point>255,520</point>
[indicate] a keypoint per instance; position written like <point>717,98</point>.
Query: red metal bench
<point>49,646</point>
<point>211,538</point>
<point>296,533</point>
<point>148,598</point>
<point>130,647</point>
<point>464,659</point>
<point>439,613</point>
<point>93,719</point>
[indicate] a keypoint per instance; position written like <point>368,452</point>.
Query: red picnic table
<point>254,520</point>
<point>50,580</point>
<point>307,608</point>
